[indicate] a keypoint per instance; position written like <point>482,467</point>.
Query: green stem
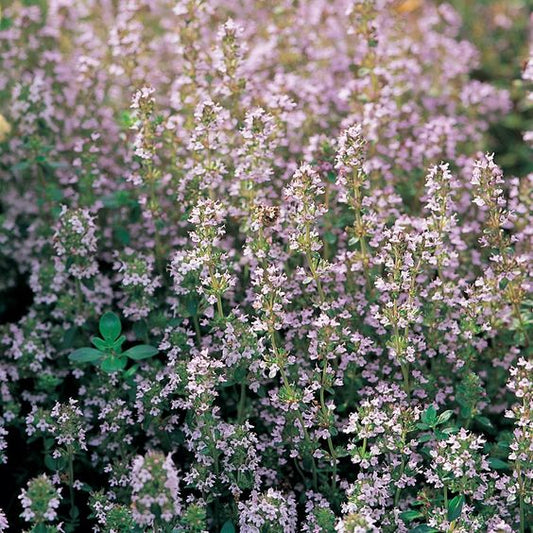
<point>334,465</point>
<point>79,297</point>
<point>219,307</point>
<point>315,276</point>
<point>398,489</point>
<point>523,328</point>
<point>71,481</point>
<point>196,325</point>
<point>521,505</point>
<point>158,248</point>
<point>299,416</point>
<point>241,408</point>
<point>322,297</point>
<point>405,374</point>
<point>358,225</point>
<point>327,223</point>
<point>330,442</point>
<point>299,470</point>
<point>522,515</point>
<point>220,310</point>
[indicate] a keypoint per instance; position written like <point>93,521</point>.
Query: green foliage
<point>108,353</point>
<point>455,507</point>
<point>228,527</point>
<point>194,520</point>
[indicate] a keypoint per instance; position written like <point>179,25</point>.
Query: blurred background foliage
<point>502,32</point>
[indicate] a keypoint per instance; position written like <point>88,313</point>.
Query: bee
<point>407,6</point>
<point>267,215</point>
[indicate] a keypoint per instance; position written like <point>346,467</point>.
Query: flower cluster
<point>520,485</point>
<point>273,511</point>
<point>139,282</point>
<point>460,466</point>
<point>262,269</point>
<point>3,521</point>
<point>155,489</point>
<point>75,242</point>
<point>40,501</point>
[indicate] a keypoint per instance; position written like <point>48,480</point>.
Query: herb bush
<point>260,273</point>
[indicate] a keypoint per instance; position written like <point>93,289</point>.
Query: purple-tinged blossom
<point>40,501</point>
<point>155,486</point>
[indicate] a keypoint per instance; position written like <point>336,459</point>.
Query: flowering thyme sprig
<point>207,260</point>
<point>304,211</point>
<point>40,501</point>
<point>520,485</point>
<point>508,268</point>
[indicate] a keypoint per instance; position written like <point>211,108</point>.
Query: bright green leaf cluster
<point>108,352</point>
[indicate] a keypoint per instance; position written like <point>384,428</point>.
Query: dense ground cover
<point>261,271</point>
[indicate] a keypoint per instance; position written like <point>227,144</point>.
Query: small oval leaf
<point>131,371</point>
<point>117,345</point>
<point>142,351</point>
<point>455,507</point>
<point>424,528</point>
<point>429,416</point>
<point>228,527</point>
<point>100,344</point>
<point>85,355</point>
<point>444,417</point>
<point>498,464</point>
<point>110,326</point>
<point>113,364</point>
<point>408,516</point>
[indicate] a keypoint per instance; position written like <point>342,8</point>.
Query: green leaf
<point>117,345</point>
<point>455,507</point>
<point>39,528</point>
<point>429,416</point>
<point>485,423</point>
<point>131,371</point>
<point>110,327</point>
<point>89,283</point>
<point>228,527</point>
<point>113,364</point>
<point>192,306</point>
<point>140,329</point>
<point>240,374</point>
<point>425,438</point>
<point>424,528</point>
<point>21,165</point>
<point>5,23</point>
<point>498,464</point>
<point>330,238</point>
<point>444,417</point>
<point>85,355</point>
<point>100,344</point>
<point>69,336</point>
<point>122,235</point>
<point>450,430</point>
<point>504,444</point>
<point>142,351</point>
<point>342,452</point>
<point>407,516</point>
<point>55,464</point>
<point>440,435</point>
<point>126,120</point>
